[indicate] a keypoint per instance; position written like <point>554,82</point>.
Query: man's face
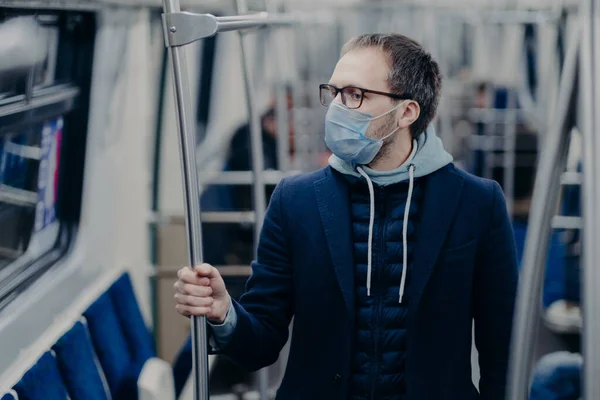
<point>367,68</point>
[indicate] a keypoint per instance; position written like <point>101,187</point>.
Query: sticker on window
<point>45,212</point>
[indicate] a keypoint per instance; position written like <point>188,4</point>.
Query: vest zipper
<point>378,295</point>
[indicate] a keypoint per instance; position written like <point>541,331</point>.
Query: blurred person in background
<point>233,244</point>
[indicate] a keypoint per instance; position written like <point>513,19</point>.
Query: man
<point>384,258</point>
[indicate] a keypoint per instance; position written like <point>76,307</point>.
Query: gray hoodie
<point>427,156</point>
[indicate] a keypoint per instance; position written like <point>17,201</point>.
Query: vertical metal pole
<point>299,99</point>
<point>544,203</point>
<point>318,77</point>
<point>283,125</point>
<point>283,153</point>
<point>258,188</point>
<point>489,128</point>
<point>187,147</point>
<point>591,194</point>
<point>314,104</point>
<point>281,104</point>
<point>509,156</point>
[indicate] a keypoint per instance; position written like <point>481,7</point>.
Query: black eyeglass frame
<point>362,97</point>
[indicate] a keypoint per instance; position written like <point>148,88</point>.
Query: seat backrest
<point>79,365</point>
<point>12,395</point>
<point>42,381</point>
<point>137,335</point>
<point>109,342</point>
<point>156,381</point>
<point>182,366</point>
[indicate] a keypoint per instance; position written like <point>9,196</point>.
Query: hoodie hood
<point>428,155</point>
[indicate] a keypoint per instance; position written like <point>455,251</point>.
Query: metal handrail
<point>258,166</point>
<point>211,217</point>
<point>545,197</point>
<point>590,129</point>
<point>18,197</point>
<point>181,28</point>
<point>187,146</point>
<point>241,177</point>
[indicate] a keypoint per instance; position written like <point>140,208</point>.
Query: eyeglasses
<point>352,97</point>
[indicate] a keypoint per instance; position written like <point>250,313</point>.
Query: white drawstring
<point>371,223</point>
<point>411,175</point>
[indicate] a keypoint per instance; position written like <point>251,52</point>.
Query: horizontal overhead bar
<point>45,104</point>
<point>497,143</point>
<point>567,222</point>
<point>17,197</point>
<point>571,178</point>
<point>470,13</point>
<point>515,17</point>
<point>99,5</point>
<point>228,217</point>
<point>181,28</point>
<point>241,177</point>
<point>21,150</point>
<point>498,115</point>
<point>210,217</point>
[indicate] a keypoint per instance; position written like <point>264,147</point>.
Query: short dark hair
<point>412,71</point>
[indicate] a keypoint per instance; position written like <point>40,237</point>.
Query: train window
<point>45,72</point>
<point>28,180</point>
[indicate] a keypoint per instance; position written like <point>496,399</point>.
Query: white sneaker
<point>563,316</point>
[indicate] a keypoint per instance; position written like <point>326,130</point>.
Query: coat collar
<point>334,207</point>
<point>443,190</point>
<point>441,198</point>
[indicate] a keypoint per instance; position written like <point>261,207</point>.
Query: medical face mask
<point>346,134</point>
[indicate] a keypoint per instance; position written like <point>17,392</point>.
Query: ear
<point>408,114</point>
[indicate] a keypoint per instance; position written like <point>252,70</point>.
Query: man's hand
<point>201,291</point>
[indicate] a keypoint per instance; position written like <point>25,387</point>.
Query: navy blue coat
<point>465,269</point>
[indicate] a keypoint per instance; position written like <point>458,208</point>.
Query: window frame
<point>66,99</point>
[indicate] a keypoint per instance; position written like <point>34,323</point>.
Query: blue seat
<point>557,377</point>
<point>78,365</point>
<point>554,279</point>
<point>520,231</point>
<point>182,366</point>
<point>42,381</point>
<point>110,344</point>
<point>10,396</point>
<point>137,335</point>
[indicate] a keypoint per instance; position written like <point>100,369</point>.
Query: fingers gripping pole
<point>187,147</point>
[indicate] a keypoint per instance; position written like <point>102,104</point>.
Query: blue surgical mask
<point>346,134</point>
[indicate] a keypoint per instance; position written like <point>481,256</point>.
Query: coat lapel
<point>443,190</point>
<point>334,208</point>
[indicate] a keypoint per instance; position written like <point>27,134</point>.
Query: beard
<point>388,143</point>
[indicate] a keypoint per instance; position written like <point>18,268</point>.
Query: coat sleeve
<point>264,312</point>
<point>495,288</point>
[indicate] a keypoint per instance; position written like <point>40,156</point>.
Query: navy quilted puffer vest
<point>378,359</point>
